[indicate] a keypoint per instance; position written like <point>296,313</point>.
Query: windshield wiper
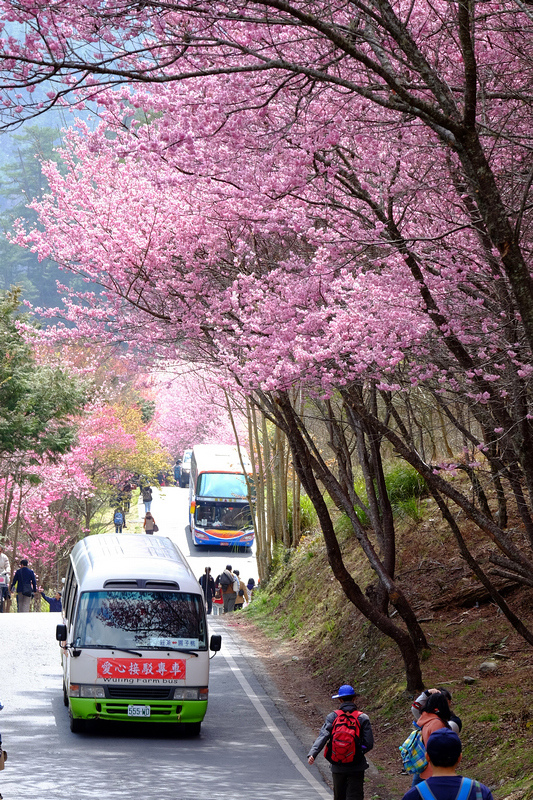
<point>106,647</point>
<point>178,650</point>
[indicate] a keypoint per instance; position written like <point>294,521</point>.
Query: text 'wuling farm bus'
<point>220,512</point>
<point>134,638</point>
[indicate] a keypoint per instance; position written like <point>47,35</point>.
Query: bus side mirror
<point>215,643</point>
<point>61,633</point>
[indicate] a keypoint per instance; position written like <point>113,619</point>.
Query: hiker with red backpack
<point>347,737</point>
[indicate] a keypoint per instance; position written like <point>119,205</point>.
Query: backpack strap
<point>464,789</point>
<point>424,791</point>
<point>463,793</point>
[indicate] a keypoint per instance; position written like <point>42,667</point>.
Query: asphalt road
<point>245,749</point>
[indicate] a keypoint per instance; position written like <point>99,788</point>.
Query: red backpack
<point>344,743</point>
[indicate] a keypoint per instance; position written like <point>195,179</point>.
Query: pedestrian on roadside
<point>218,600</point>
<point>419,706</point>
<point>146,493</point>
<point>24,580</point>
<point>177,472</point>
<point>3,754</point>
<point>348,777</point>
<point>444,752</point>
<point>229,585</point>
<point>125,496</point>
<point>118,520</point>
<point>436,715</point>
<point>5,567</point>
<point>242,593</point>
<point>5,573</point>
<point>207,582</point>
<point>250,586</point>
<point>54,602</point>
<point>149,524</point>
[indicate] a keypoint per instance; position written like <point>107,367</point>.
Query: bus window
<point>220,484</point>
<point>69,595</point>
<point>147,620</point>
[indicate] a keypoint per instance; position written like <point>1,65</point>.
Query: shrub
<point>308,517</point>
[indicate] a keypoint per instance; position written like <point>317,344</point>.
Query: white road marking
<point>318,787</point>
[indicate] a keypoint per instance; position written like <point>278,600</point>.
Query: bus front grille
<point>157,710</point>
<point>140,692</point>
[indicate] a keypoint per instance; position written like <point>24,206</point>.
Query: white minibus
<point>134,639</point>
<point>219,490</point>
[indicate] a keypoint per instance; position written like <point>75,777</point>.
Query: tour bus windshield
<point>141,619</point>
<point>221,484</point>
<point>224,515</point>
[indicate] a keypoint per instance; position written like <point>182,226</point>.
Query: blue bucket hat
<point>345,691</point>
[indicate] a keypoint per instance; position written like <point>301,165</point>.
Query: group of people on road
<point>346,737</point>
<point>123,503</point>
<point>227,592</point>
<point>24,585</point>
<point>149,524</point>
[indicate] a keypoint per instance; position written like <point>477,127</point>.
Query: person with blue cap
<point>444,752</point>
<point>347,736</point>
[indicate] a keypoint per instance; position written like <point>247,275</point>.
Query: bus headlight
<point>190,694</point>
<point>85,690</point>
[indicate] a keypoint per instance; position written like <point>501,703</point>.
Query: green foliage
<point>405,487</point>
<point>409,508</point>
<point>403,483</point>
<point>308,517</point>
<point>147,408</point>
<point>36,401</point>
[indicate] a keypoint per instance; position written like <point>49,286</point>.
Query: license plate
<point>138,711</point>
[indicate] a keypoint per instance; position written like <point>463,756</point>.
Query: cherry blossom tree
<point>191,408</point>
<point>333,197</point>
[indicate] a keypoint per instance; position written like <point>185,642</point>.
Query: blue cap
<point>345,691</point>
<point>444,747</point>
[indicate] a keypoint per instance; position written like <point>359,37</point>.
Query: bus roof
<point>113,560</point>
<point>220,458</point>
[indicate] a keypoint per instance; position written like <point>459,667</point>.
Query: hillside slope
<point>313,640</point>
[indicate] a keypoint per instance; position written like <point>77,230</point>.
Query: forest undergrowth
<point>321,641</point>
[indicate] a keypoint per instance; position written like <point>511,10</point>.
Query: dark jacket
<point>24,577</point>
<point>55,605</point>
<point>366,735</point>
<point>208,590</point>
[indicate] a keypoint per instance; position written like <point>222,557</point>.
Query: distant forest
<point>21,180</point>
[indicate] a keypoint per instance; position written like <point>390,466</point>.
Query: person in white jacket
<point>5,571</point>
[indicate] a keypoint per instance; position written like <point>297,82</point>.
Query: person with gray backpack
<point>229,584</point>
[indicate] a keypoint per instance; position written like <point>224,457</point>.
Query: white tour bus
<point>134,639</point>
<point>220,512</point>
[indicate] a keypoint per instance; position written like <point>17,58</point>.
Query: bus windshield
<point>222,484</point>
<point>229,516</point>
<point>141,619</point>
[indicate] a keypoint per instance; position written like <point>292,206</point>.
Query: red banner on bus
<point>168,669</point>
